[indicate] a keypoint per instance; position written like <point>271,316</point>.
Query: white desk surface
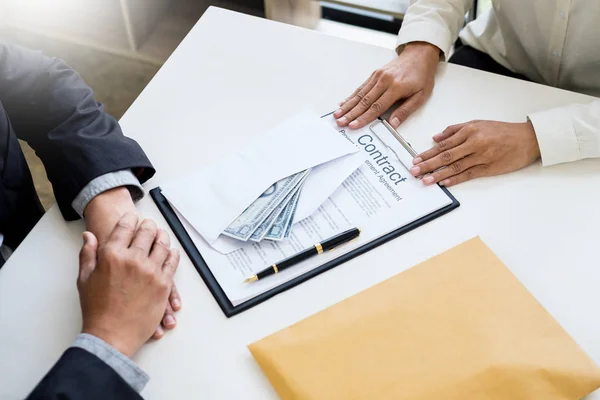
<point>232,77</point>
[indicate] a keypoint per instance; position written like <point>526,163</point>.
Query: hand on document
<point>259,191</point>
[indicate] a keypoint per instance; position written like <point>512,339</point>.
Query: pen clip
<point>345,243</point>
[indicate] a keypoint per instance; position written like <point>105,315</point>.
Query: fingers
<point>405,110</point>
<point>362,102</point>
<point>168,322</point>
<point>442,145</point>
<point>87,256</point>
<point>471,173</point>
<point>170,265</point>
<point>443,154</point>
<point>169,269</point>
<point>454,159</point>
<point>123,232</point>
<point>377,108</point>
<point>449,131</point>
<point>353,100</point>
<point>455,168</point>
<point>160,248</point>
<point>145,236</point>
<point>158,333</point>
<point>174,298</point>
<point>338,113</point>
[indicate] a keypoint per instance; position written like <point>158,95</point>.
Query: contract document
<point>370,188</point>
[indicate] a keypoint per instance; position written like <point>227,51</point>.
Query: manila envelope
<point>458,326</point>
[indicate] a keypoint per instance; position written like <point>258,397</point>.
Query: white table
<point>232,77</point>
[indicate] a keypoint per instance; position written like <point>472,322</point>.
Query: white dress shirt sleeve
<point>433,21</point>
<point>568,133</point>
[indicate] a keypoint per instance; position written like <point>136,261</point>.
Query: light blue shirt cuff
<point>127,369</point>
<point>107,182</point>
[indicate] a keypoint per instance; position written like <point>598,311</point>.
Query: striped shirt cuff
<point>126,368</point>
<point>107,182</point>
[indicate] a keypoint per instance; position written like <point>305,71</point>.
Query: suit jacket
<point>47,104</point>
<point>81,375</point>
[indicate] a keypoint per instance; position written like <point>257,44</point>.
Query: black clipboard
<point>213,285</point>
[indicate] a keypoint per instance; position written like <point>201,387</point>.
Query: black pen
<point>318,248</point>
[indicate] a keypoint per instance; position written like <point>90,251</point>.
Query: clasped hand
<point>124,283</point>
<point>101,215</point>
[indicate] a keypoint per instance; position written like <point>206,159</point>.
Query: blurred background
<point>118,45</point>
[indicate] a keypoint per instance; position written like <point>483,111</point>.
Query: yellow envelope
<point>457,326</point>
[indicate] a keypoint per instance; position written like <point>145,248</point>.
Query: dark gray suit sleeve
<point>80,375</point>
<point>54,111</point>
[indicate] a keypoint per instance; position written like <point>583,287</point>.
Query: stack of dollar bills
<point>272,214</point>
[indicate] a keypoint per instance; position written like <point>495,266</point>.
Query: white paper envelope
<point>322,181</point>
<point>212,197</point>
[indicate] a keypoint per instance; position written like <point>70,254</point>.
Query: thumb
<point>449,131</point>
<point>405,110</point>
<point>87,256</point>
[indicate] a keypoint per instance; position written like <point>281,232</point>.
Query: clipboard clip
<point>395,133</point>
<point>403,160</point>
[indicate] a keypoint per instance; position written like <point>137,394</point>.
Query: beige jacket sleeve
<point>433,21</point>
<point>568,133</point>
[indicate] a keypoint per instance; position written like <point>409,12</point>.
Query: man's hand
<point>101,215</point>
<point>476,149</point>
<point>106,209</point>
<point>124,284</point>
<point>409,77</point>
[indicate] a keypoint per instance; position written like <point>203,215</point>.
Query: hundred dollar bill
<point>288,228</point>
<point>261,208</point>
<point>277,231</point>
<point>261,232</point>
